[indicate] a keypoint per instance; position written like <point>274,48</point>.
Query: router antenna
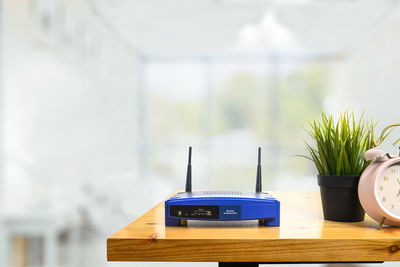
<point>258,178</point>
<point>189,172</point>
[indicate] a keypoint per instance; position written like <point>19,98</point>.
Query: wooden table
<point>302,237</point>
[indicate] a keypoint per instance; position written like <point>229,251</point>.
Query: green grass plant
<point>339,146</point>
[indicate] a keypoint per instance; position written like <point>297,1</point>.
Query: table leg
<point>50,243</point>
<point>238,264</point>
<point>5,250</point>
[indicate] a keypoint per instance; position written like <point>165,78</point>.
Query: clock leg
<point>381,223</point>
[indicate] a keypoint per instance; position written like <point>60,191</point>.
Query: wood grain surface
<point>302,237</point>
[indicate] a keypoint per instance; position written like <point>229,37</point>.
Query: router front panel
<point>219,212</point>
<point>223,208</point>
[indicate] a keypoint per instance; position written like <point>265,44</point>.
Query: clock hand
<point>398,180</point>
<point>398,194</point>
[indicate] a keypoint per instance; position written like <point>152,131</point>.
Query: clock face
<point>389,189</point>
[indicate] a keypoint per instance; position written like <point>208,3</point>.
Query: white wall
<point>70,86</point>
<point>368,79</point>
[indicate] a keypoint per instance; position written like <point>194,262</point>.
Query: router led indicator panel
<point>195,211</point>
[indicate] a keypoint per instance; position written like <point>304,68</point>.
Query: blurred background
<point>100,99</point>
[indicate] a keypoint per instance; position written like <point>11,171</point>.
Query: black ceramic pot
<point>339,196</point>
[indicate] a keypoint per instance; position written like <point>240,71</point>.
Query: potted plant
<point>338,153</point>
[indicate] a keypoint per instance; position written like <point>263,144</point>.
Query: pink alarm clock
<point>379,187</point>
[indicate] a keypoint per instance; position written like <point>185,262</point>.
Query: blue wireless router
<point>222,205</point>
